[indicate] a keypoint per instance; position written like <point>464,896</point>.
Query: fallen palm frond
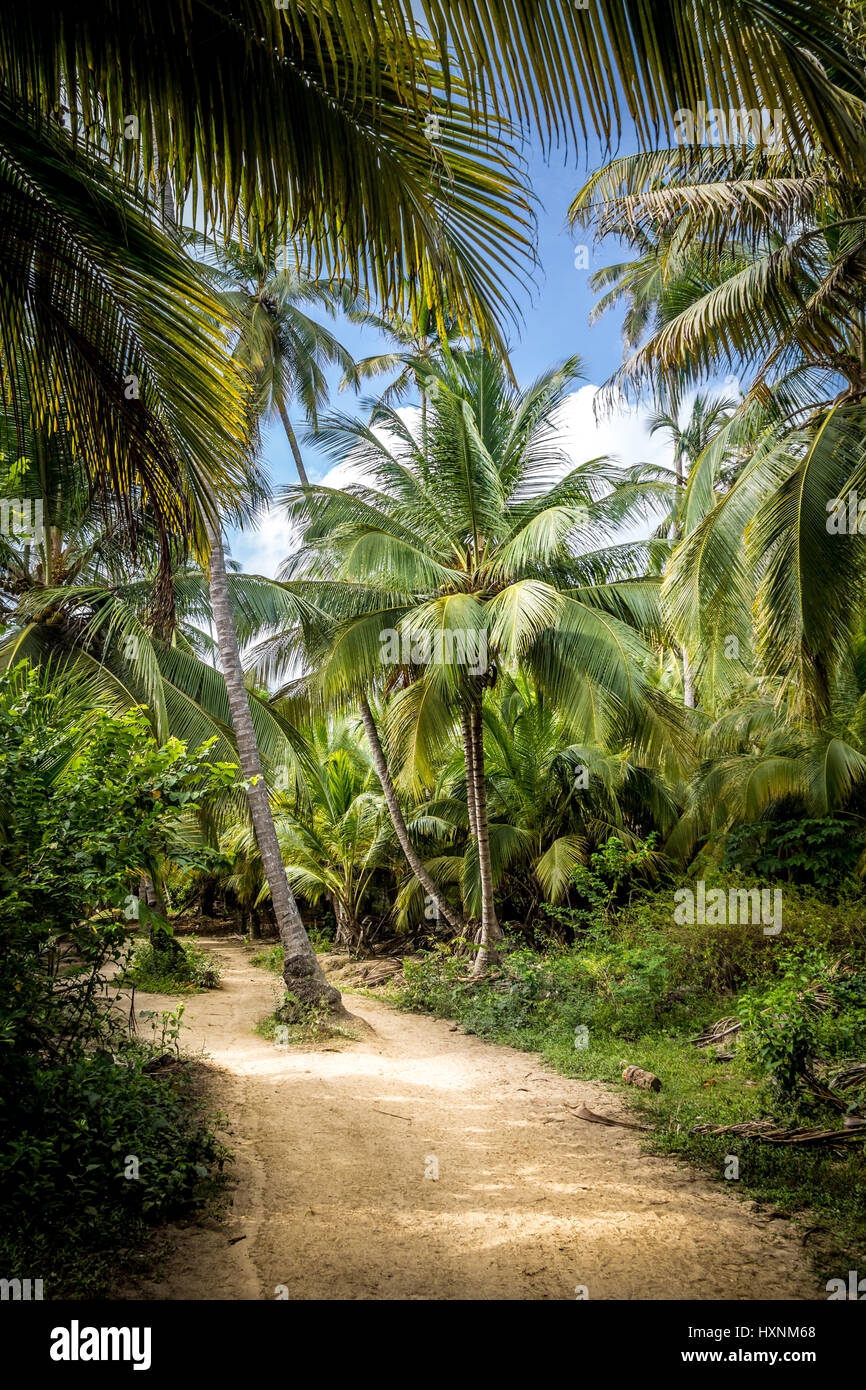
<point>851,1074</point>
<point>582,1112</point>
<point>724,1028</point>
<point>769,1133</point>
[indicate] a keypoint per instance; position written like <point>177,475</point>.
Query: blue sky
<point>555,326</point>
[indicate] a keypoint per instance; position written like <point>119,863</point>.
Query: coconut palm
<point>346,159</point>
<point>690,439</point>
<point>352,171</point>
<point>764,269</point>
<point>745,257</point>
<point>282,346</point>
<point>757,766</point>
<point>77,599</point>
<point>463,557</point>
<point>335,837</point>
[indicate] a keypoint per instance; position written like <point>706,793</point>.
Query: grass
<point>189,970</point>
<point>271,958</point>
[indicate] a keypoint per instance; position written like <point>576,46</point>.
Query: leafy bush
<point>70,1192</point>
<point>815,1009</point>
<point>606,885</point>
<point>821,853</point>
<point>87,805</point>
<point>189,968</point>
<point>615,987</point>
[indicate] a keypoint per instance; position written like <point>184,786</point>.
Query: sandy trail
<point>332,1200</point>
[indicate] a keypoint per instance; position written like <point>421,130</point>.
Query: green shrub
<point>88,803</point>
<point>820,853</point>
<point>69,1196</point>
<point>184,970</point>
<point>815,1009</point>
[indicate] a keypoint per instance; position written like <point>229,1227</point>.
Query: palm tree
<point>763,270</point>
<point>284,349</point>
<point>77,599</point>
<point>744,256</point>
<point>344,160</point>
<point>463,557</point>
<point>352,172</point>
<point>417,345</point>
<point>756,766</point>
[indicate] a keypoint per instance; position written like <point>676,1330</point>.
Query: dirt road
<point>337,1199</point>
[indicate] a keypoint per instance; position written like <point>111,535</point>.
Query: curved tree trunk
<point>301,971</point>
<point>451,915</point>
<point>294,445</point>
<point>491,933</point>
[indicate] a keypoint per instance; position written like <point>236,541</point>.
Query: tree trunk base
<point>306,983</point>
<point>486,959</point>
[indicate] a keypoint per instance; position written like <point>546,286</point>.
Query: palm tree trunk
<point>301,970</point>
<point>469,759</point>
<point>293,445</point>
<point>451,915</point>
<point>491,933</point>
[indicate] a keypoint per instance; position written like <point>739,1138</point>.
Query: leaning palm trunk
<point>491,933</point>
<point>452,917</point>
<point>294,446</point>
<point>302,973</point>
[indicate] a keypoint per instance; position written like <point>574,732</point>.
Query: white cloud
<point>263,551</point>
<point>623,434</point>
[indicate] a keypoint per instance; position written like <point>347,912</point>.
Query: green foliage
<point>780,1032</point>
<point>271,958</point>
<point>87,805</point>
<point>822,853</point>
<point>67,1144</point>
<point>606,883</point>
<point>293,1025</point>
<point>612,986</point>
<point>815,1009</point>
<point>188,969</point>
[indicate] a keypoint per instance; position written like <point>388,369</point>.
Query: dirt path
<point>332,1200</point>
